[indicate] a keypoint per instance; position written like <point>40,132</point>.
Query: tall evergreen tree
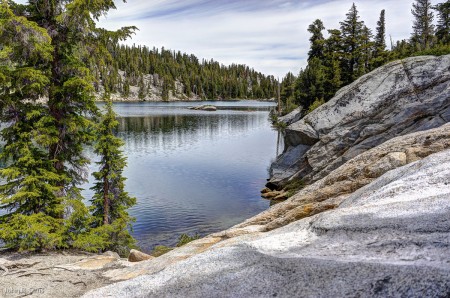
<point>352,31</point>
<point>77,44</point>
<point>423,28</point>
<point>365,61</point>
<point>28,193</point>
<point>333,58</point>
<point>380,54</point>
<point>443,22</point>
<point>316,40</point>
<point>310,84</point>
<point>111,201</point>
<point>287,91</point>
<point>49,51</point>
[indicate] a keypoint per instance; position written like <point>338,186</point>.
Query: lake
<point>194,171</point>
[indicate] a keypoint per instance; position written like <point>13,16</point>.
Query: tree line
<point>354,49</point>
<point>201,79</point>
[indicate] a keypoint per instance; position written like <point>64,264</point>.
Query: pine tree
<point>365,61</point>
<point>287,90</point>
<point>352,31</point>
<point>126,88</point>
<point>380,54</point>
<point>310,84</point>
<point>443,22</point>
<point>423,28</point>
<point>316,40</point>
<point>333,58</point>
<point>44,143</point>
<point>142,90</point>
<point>111,201</point>
<point>28,193</point>
<point>77,43</point>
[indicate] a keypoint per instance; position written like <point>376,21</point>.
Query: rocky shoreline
<point>370,217</point>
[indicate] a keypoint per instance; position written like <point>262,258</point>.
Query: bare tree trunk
<point>106,201</point>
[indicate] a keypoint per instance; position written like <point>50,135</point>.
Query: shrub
<point>293,186</point>
<point>438,50</point>
<point>185,239</point>
<point>34,232</point>
<point>160,250</point>
<point>317,103</point>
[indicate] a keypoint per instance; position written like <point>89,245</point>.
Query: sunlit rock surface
<point>390,238</point>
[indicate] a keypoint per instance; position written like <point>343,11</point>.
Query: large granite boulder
<point>390,238</point>
<point>138,256</point>
<point>396,99</point>
<point>292,117</point>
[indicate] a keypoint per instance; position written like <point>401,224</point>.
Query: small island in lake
<point>209,108</point>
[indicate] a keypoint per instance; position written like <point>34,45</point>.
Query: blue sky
<point>269,35</point>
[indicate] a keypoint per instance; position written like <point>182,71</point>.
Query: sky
<point>268,35</point>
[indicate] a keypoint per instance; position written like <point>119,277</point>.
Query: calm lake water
<point>194,171</point>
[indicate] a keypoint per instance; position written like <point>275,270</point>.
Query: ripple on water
<point>194,172</point>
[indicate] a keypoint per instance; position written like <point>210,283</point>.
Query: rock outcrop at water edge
<point>396,99</point>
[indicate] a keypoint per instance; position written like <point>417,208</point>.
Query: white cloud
<point>268,35</point>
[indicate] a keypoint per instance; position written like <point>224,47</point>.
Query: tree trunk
<point>106,201</point>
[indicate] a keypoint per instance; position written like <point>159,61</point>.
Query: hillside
<point>138,73</point>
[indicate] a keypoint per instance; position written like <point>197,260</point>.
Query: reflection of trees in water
<point>171,131</point>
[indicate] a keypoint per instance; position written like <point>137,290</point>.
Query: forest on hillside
<point>167,72</point>
<point>354,49</point>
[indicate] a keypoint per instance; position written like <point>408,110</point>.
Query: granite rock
<point>396,99</point>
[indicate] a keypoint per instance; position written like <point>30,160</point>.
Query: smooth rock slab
<point>389,239</point>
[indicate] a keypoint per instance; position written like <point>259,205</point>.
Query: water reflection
<point>193,171</point>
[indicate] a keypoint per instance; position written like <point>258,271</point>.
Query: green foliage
<point>185,239</point>
<point>380,54</point>
<point>111,201</point>
<point>355,37</point>
<point>317,103</point>
<point>317,40</point>
<point>438,50</point>
<point>142,89</point>
<point>311,82</point>
<point>294,186</point>
<point>114,237</point>
<point>290,106</point>
<point>443,22</point>
<point>95,241</point>
<point>30,179</point>
<point>423,28</point>
<point>43,143</point>
<point>32,232</point>
<point>205,79</point>
<point>159,250</point>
